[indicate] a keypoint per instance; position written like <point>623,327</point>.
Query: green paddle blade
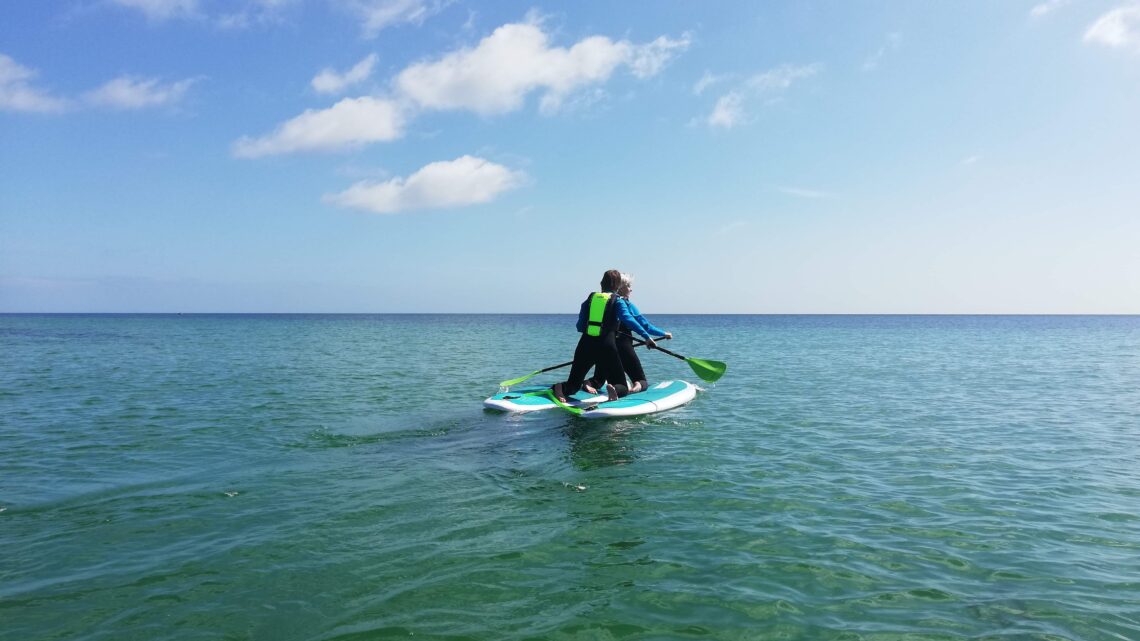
<point>710,371</point>
<point>550,394</point>
<point>516,381</point>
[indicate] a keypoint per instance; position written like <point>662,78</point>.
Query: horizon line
<point>137,313</point>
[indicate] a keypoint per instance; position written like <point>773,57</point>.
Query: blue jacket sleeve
<point>649,327</point>
<point>628,318</point>
<point>583,315</point>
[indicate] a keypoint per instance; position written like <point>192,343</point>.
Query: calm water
<point>335,477</point>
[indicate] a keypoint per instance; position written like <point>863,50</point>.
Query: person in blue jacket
<point>630,323</point>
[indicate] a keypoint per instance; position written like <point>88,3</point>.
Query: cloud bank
<point>493,77</point>
<point>467,180</point>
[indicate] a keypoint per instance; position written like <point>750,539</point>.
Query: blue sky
<point>450,156</point>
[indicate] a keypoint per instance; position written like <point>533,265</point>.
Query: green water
<point>335,477</point>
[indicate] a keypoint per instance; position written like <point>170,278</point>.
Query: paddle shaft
<point>673,354</point>
<point>553,367</point>
<point>638,343</point>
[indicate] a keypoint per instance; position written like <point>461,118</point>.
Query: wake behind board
<point>659,397</point>
<point>523,399</point>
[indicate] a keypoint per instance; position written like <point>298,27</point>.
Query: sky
<point>340,156</point>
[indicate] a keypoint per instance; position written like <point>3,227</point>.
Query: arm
<point>583,316</point>
<point>628,319</point>
<point>649,327</point>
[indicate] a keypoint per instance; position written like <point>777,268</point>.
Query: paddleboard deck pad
<point>526,399</point>
<point>659,397</point>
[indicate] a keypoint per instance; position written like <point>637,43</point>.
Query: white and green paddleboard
<point>659,397</point>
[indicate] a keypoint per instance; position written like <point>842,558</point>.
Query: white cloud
<point>17,93</point>
<point>255,12</point>
<point>377,15</point>
<point>1119,28</point>
<point>706,81</point>
<point>649,59</point>
<point>1047,7</point>
<point>227,15</point>
<point>329,81</point>
<point>782,77</point>
<point>128,92</point>
<point>730,111</point>
<point>491,78</point>
<point>162,9</point>
<point>496,76</point>
<point>352,122</point>
<point>464,181</point>
<point>969,160</point>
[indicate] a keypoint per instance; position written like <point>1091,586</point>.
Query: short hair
<point>610,280</point>
<point>627,279</point>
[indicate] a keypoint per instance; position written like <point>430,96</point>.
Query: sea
<point>336,477</point>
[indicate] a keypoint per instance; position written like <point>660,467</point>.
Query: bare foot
<point>611,392</point>
<point>635,388</point>
<point>589,388</point>
<point>558,393</point>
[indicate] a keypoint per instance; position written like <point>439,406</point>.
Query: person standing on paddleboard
<point>635,322</point>
<point>599,318</point>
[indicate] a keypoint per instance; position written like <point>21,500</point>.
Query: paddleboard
<point>521,399</point>
<point>659,397</point>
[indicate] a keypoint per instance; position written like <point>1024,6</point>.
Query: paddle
<point>708,370</point>
<point>516,381</point>
<point>550,394</point>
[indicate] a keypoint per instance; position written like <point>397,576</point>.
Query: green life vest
<point>598,302</point>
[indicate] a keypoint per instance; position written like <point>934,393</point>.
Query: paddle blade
<point>709,371</point>
<point>516,381</point>
<point>550,394</point>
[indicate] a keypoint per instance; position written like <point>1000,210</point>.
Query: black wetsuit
<point>600,351</point>
<point>630,361</point>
